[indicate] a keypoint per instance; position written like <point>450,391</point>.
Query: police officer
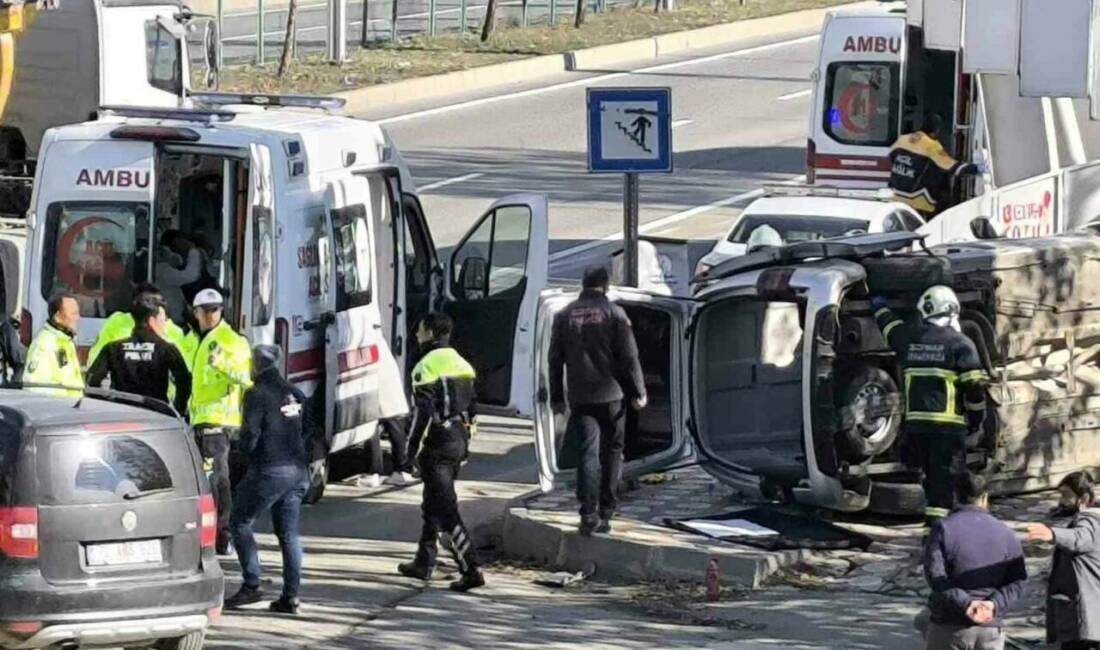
<point>593,341</point>
<point>120,325</point>
<point>921,170</point>
<point>51,359</point>
<point>143,362</point>
<point>443,392</point>
<point>220,373</point>
<point>939,364</point>
<point>274,439</point>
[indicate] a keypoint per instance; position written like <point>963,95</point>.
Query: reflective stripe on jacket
<point>52,360</point>
<point>221,368</point>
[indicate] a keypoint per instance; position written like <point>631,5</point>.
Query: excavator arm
<point>15,16</point>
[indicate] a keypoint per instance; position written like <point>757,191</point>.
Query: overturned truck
<point>778,380</point>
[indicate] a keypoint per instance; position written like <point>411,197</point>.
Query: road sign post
<point>630,132</point>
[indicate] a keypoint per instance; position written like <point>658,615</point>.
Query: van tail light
<point>21,629</point>
<point>26,327</point>
<point>208,516</point>
<point>811,158</point>
<point>19,532</point>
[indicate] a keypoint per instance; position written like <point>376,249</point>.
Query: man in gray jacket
<point>1073,593</point>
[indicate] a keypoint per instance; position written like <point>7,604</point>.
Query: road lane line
<point>597,79</point>
<point>450,181</point>
<point>678,123</point>
<point>669,220</point>
<point>790,96</point>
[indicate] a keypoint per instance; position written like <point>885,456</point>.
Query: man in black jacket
<point>13,356</point>
<point>273,438</point>
<point>592,340</point>
<point>143,363</point>
<point>976,570</point>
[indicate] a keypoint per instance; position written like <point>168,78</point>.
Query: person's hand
<point>981,611</point>
<point>639,403</point>
<point>1040,533</point>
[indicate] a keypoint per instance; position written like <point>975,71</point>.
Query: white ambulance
<point>313,229</point>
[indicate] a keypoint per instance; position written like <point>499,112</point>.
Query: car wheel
<point>192,641</point>
<point>318,478</point>
<point>871,422</point>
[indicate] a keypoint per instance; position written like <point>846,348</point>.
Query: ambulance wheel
<point>869,433</point>
<point>318,478</point>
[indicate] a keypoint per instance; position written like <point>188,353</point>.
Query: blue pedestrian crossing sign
<point>629,130</point>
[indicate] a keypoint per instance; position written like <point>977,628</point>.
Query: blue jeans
<point>280,488</point>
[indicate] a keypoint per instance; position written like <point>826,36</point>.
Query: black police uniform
<point>142,364</point>
<point>938,365</point>
<point>921,172</point>
<point>593,342</point>
<point>443,393</point>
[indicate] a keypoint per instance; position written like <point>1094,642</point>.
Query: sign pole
<point>630,229</point>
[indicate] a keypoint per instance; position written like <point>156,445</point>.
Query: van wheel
<point>871,422</point>
<point>192,641</point>
<point>318,478</point>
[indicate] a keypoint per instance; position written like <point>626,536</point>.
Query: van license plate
<point>145,551</point>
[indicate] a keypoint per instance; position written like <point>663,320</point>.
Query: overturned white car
<point>777,379</point>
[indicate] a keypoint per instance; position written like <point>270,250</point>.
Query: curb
<point>594,59</point>
<point>620,558</point>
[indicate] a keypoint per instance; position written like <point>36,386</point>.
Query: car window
<point>861,103</point>
<point>793,229</point>
<point>162,59</point>
<point>352,253</point>
<point>106,468</point>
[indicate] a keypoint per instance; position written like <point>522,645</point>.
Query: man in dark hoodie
<point>593,342</point>
<point>975,567</point>
<point>1073,593</point>
<point>273,438</point>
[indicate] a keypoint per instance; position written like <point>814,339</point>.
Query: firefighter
<point>921,170</point>
<point>52,359</point>
<point>220,373</point>
<point>443,392</point>
<point>143,362</point>
<point>940,365</point>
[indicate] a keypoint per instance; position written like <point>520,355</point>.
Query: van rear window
<point>98,251</point>
<point>98,468</point>
<point>861,103</point>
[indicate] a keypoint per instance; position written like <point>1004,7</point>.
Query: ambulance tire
<point>868,437</point>
<point>318,479</point>
<point>903,273</point>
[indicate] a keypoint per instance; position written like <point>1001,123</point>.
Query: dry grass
<point>426,56</point>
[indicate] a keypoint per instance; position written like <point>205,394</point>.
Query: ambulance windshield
<point>98,251</point>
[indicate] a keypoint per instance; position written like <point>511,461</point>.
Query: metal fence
<point>258,35</point>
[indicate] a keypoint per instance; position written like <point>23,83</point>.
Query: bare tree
<point>490,20</point>
<point>578,15</point>
<point>289,42</point>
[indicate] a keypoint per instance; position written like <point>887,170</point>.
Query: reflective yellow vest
<point>221,371</point>
<point>52,359</point>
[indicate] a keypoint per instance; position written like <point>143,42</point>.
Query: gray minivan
<point>107,526</point>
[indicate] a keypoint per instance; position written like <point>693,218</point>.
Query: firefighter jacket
<point>52,359</point>
<point>943,375</point>
<point>221,369</point>
<point>443,394</point>
<point>120,325</point>
<point>921,172</point>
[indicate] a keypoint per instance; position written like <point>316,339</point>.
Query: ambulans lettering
<point>114,178</point>
<point>876,44</point>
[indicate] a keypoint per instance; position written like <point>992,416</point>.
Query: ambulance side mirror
<point>473,278</point>
<point>981,228</point>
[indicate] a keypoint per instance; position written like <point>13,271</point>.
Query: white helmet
<point>939,302</point>
<point>763,235</point>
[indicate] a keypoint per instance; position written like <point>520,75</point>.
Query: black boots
<point>285,605</point>
<point>415,570</point>
<point>472,579</point>
<point>245,596</point>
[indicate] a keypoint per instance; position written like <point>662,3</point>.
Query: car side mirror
<point>473,278</point>
<point>981,228</point>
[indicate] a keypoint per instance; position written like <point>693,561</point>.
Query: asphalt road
<point>739,118</point>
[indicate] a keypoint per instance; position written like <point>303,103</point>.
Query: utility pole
<point>337,31</point>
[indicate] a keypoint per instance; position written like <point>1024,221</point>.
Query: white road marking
<point>669,220</point>
<point>591,80</point>
<point>790,96</point>
<point>450,181</point>
<point>678,123</point>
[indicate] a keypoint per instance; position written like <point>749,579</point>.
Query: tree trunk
<point>289,40</point>
<point>578,16</point>
<point>490,20</point>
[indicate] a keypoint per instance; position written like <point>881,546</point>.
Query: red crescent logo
<point>67,271</point>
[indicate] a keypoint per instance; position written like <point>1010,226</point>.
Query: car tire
<point>904,273</point>
<point>866,436</point>
<point>192,641</point>
<point>318,479</point>
<point>902,499</point>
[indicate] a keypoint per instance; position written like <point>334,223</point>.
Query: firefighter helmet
<point>938,302</point>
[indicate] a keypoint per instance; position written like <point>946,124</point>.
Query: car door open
<point>493,282</point>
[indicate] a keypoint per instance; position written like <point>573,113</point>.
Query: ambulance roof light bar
<point>183,114</point>
<point>327,104</point>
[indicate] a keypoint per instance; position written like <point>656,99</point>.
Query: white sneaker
<point>369,481</point>
<point>400,478</point>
